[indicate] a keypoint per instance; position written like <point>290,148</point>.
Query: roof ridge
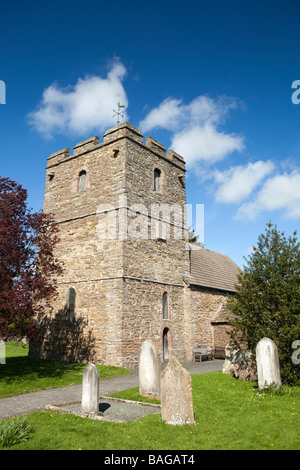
<point>216,252</point>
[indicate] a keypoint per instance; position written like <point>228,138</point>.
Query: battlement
<point>58,157</point>
<point>85,145</point>
<point>176,158</point>
<point>124,130</point>
<point>156,146</point>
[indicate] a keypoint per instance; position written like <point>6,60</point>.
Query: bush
<point>267,301</point>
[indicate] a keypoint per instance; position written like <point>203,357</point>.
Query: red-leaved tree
<point>28,267</point>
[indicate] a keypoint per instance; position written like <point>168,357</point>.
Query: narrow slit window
<point>165,306</point>
<point>71,304</point>
<point>157,180</point>
<point>182,182</point>
<point>82,181</point>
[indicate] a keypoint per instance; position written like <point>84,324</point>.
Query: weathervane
<point>120,112</point>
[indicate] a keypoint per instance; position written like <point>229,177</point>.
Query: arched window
<point>157,180</point>
<point>82,181</point>
<point>71,304</point>
<point>165,306</point>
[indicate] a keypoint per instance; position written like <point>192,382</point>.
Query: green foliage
<point>14,431</point>
<point>193,238</point>
<point>267,302</point>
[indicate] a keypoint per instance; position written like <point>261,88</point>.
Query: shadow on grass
<point>60,349</point>
<point>56,358</point>
<point>17,368</point>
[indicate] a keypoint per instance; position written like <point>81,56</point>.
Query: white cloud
<point>205,143</point>
<point>281,192</point>
<point>166,116</point>
<point>238,182</point>
<point>195,127</point>
<point>80,109</point>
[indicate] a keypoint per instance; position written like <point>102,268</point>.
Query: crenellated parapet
<point>117,133</point>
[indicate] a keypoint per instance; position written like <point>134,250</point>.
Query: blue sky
<point>213,80</point>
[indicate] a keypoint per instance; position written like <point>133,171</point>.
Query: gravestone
<point>90,389</point>
<point>149,370</point>
<point>267,360</point>
<point>176,394</point>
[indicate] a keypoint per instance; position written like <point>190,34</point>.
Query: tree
<point>267,301</point>
<point>28,266</point>
<point>193,238</point>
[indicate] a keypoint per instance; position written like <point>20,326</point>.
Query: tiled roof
<point>211,269</point>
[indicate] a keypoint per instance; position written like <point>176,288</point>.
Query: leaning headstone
<point>176,394</point>
<point>268,369</point>
<point>149,370</point>
<point>90,389</point>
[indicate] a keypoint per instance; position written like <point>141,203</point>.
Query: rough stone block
<point>240,363</point>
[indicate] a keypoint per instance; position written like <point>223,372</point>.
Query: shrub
<point>13,431</point>
<point>267,301</point>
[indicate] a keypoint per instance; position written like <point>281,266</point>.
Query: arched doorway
<point>165,344</point>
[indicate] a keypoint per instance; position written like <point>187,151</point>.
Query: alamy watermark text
<point>2,92</point>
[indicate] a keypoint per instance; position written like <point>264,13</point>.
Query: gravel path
<point>111,409</point>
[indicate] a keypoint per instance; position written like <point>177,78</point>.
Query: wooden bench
<point>202,353</point>
<point>219,352</point>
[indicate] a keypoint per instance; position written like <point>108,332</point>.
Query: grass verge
<point>230,415</point>
<point>22,374</point>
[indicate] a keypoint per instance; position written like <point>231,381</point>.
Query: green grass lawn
<point>230,414</point>
<point>22,374</point>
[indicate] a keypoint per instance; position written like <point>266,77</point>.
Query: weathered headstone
<point>149,370</point>
<point>176,394</point>
<point>267,360</point>
<point>90,389</point>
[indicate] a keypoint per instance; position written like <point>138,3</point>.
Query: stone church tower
<point>120,206</point>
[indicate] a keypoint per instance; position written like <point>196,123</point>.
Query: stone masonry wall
<point>221,335</point>
<point>143,319</point>
<point>204,303</point>
<point>119,280</point>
